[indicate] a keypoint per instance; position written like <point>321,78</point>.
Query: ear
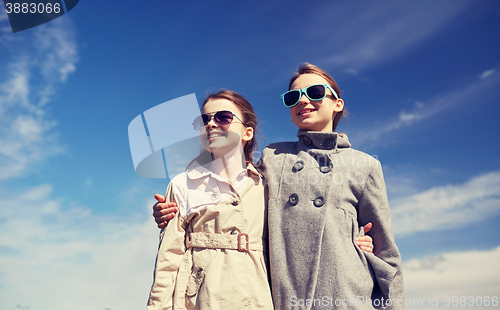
<point>338,105</point>
<point>247,134</point>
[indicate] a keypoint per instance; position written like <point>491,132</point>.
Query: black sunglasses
<point>313,92</point>
<point>220,117</point>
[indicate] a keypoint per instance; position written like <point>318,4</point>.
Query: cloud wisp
<point>429,108</point>
<point>68,258</point>
<point>369,34</point>
<point>433,282</point>
<point>488,73</point>
<point>27,133</point>
<point>449,206</point>
<point>57,257</point>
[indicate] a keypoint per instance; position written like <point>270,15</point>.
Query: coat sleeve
<point>170,253</point>
<point>373,206</point>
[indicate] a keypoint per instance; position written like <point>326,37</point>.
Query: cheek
<point>203,137</point>
<point>234,138</point>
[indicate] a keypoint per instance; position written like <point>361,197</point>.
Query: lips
<point>304,111</point>
<point>214,134</point>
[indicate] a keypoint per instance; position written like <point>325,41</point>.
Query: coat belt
<point>240,242</point>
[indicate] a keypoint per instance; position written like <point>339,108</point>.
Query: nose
<point>211,123</point>
<point>303,99</point>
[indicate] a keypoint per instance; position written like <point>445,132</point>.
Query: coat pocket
<point>198,200</point>
<point>384,273</point>
<point>194,282</point>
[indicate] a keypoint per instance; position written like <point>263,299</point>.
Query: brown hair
<point>307,68</point>
<point>249,117</point>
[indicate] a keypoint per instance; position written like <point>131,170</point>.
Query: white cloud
<point>27,133</point>
<point>448,206</point>
<point>439,278</point>
<point>6,36</point>
<point>3,14</point>
<point>423,111</point>
<point>369,33</point>
<point>352,71</point>
<point>57,51</point>
<point>488,73</point>
<point>54,254</point>
<point>398,185</point>
<point>57,257</point>
<point>88,182</point>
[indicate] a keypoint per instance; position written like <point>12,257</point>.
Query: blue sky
<point>421,82</point>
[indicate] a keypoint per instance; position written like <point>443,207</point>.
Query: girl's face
<point>221,139</point>
<point>314,115</point>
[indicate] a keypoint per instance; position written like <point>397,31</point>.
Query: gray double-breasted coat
<point>320,192</point>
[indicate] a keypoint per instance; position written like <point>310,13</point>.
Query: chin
<point>305,126</point>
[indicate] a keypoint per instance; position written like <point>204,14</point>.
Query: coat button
<point>307,140</point>
<point>298,165</point>
<point>329,144</point>
<point>213,196</point>
<point>319,201</point>
<point>325,169</point>
<point>199,273</point>
<point>293,199</point>
<point>235,203</point>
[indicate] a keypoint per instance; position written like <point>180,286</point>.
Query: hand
<point>164,211</point>
<point>365,243</point>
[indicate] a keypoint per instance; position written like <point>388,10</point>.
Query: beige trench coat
<point>202,261</point>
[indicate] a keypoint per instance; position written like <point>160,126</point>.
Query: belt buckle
<point>245,248</point>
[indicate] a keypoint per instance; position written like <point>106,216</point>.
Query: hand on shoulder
<point>163,211</point>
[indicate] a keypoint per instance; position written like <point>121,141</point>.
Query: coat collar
<point>323,140</point>
<point>195,172</point>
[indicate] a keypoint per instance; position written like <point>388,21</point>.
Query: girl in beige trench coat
<point>212,254</point>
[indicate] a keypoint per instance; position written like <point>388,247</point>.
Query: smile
<point>304,111</point>
<point>214,134</point>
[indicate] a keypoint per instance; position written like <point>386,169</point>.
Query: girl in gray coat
<point>320,192</point>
